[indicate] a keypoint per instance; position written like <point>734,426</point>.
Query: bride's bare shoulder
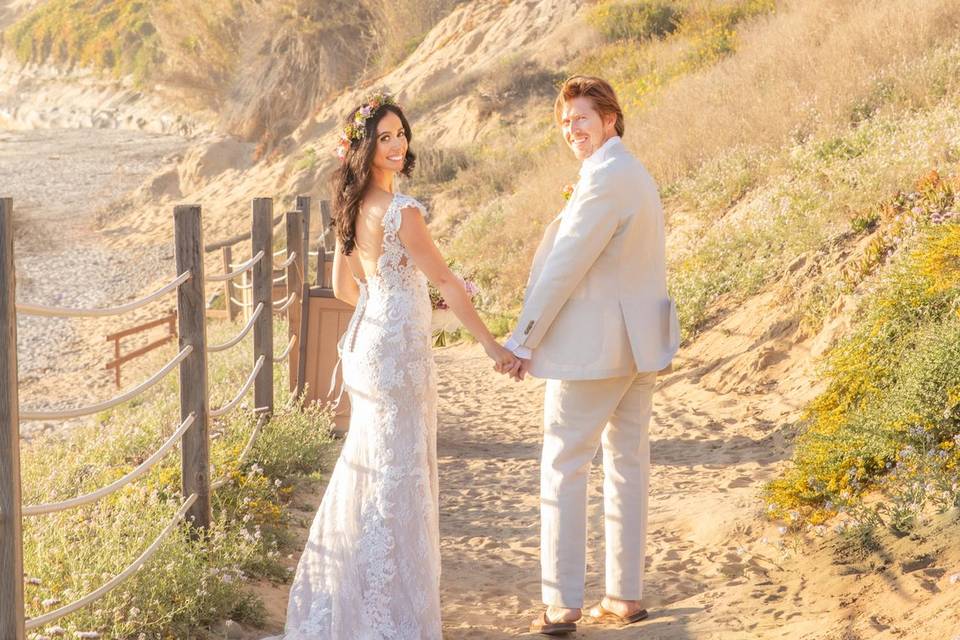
<point>374,206</point>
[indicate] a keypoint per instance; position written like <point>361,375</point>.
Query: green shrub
<point>132,37</point>
<point>102,35</point>
<point>637,20</point>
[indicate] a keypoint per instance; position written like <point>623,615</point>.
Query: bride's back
<point>369,235</point>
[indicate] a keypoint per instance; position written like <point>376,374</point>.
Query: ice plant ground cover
<point>189,583</point>
<point>889,419</point>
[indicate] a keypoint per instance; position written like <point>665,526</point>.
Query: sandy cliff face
<point>475,40</point>
<point>44,97</point>
<point>438,85</point>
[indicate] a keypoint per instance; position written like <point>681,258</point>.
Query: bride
<point>371,566</point>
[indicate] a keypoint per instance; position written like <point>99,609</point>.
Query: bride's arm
<point>416,238</point>
<point>344,286</point>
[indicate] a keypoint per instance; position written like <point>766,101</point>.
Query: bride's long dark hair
<point>352,177</point>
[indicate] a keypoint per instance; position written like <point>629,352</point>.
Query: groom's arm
<point>585,230</point>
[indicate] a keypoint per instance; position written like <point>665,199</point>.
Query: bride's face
<point>584,129</point>
<point>392,143</point>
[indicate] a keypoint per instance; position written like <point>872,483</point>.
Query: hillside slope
<point>807,153</point>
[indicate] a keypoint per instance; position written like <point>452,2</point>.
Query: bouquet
<point>441,333</point>
<point>437,301</point>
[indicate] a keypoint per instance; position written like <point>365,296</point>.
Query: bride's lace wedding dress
<point>371,566</point>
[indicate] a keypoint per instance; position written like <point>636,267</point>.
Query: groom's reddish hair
<point>599,91</point>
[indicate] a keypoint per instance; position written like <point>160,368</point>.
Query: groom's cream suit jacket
<point>596,304</point>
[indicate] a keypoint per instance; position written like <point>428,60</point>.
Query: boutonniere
<point>567,191</point>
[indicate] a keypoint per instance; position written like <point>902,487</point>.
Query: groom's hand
<point>509,368</point>
<point>521,370</point>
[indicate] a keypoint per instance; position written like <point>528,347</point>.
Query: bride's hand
<point>503,360</point>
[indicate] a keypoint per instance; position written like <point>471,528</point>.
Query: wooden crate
<point>327,320</point>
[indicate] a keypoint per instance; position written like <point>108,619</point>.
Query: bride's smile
<point>391,144</point>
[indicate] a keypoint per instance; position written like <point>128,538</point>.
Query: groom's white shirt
<point>596,304</point>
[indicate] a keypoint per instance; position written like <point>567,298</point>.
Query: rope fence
<point>243,391</point>
<point>286,263</point>
<point>241,269</point>
<point>42,310</point>
<point>243,332</point>
<point>192,433</point>
<point>286,352</point>
<point>103,406</point>
<point>284,304</point>
<point>146,465</point>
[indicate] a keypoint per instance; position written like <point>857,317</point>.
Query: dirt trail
<point>709,454</point>
<point>716,568</point>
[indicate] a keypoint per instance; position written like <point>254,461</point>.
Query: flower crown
<point>356,128</point>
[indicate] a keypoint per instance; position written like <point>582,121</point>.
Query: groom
<point>598,324</point>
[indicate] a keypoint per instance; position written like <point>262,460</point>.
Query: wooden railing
<point>195,413</point>
<point>170,320</point>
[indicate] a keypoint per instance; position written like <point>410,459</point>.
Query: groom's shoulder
<point>628,167</point>
<point>615,169</point>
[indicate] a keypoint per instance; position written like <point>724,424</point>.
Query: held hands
<point>523,368</point>
<point>504,361</point>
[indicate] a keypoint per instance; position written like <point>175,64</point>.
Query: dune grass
<point>190,583</point>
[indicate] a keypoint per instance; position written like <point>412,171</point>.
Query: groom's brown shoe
<point>600,614</point>
<point>546,627</point>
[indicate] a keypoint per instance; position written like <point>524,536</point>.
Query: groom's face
<point>584,129</point>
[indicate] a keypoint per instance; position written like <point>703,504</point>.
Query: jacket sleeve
<point>585,230</point>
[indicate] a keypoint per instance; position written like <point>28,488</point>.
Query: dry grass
<point>760,154</point>
<point>399,26</point>
<point>813,68</point>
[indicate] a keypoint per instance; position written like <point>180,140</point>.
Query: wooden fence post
<point>191,314</point>
<point>294,287</point>
<point>303,206</point>
<point>262,240</point>
<point>229,291</point>
<point>328,242</point>
<point>11,523</point>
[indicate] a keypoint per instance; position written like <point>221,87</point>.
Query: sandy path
<point>705,568</point>
<point>716,569</point>
<point>706,469</point>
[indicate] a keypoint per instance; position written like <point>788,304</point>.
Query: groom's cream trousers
<point>579,416</point>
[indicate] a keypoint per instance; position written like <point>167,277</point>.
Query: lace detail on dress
<point>371,566</point>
